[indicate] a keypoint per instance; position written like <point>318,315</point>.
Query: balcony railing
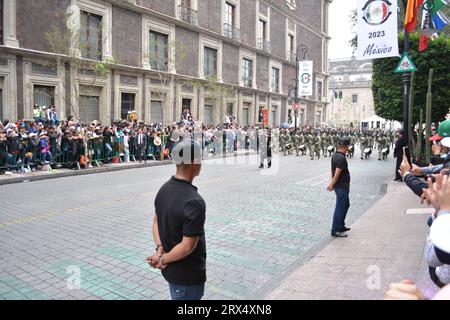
<point>290,56</point>
<point>188,15</point>
<point>264,45</point>
<point>231,32</point>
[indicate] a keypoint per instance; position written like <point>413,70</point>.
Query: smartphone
<point>407,155</point>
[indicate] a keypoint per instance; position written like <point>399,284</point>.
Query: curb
<point>73,173</point>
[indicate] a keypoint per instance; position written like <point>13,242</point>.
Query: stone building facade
<point>164,54</point>
<point>352,78</point>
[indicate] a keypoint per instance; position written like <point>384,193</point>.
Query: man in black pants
<point>398,153</point>
<point>178,227</point>
<point>341,186</point>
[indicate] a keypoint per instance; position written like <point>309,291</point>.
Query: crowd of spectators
<point>432,185</point>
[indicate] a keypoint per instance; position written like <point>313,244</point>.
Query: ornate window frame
<point>152,24</point>
<point>243,54</point>
<point>97,7</point>
<point>214,44</point>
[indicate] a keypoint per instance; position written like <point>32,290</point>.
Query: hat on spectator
<point>443,132</point>
<point>43,133</point>
<point>440,237</point>
<point>440,232</point>
<point>446,142</point>
<point>9,130</point>
<point>44,107</point>
<point>33,135</point>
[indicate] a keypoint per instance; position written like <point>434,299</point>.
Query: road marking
<point>314,180</point>
<point>51,214</point>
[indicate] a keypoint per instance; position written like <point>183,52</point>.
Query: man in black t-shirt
<point>341,186</point>
<point>178,227</point>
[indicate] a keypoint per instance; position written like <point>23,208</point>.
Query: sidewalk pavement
<point>387,241</point>
<point>61,173</point>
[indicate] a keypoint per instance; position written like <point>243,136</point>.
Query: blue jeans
<point>342,206</point>
<point>187,293</point>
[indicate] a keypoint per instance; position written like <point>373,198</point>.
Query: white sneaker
<point>8,173</point>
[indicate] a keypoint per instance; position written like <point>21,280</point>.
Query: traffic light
<point>340,95</point>
<point>336,94</point>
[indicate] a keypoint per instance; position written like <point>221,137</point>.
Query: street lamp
<point>302,48</point>
<point>406,83</point>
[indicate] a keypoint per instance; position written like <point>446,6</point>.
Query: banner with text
<point>305,79</point>
<point>377,29</point>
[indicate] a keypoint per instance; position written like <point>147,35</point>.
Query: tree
<point>163,57</point>
<point>69,50</point>
<point>218,92</point>
<point>388,86</point>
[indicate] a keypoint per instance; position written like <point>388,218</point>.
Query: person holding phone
<point>402,142</point>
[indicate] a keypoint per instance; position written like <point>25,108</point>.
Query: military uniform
<point>265,147</point>
<point>364,144</point>
<point>314,147</point>
<point>382,143</point>
<point>296,143</point>
<point>303,143</point>
<point>324,145</point>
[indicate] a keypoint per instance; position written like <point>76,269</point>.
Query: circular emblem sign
<point>306,78</point>
<point>376,12</point>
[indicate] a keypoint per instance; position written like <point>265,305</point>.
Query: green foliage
<point>103,69</point>
<point>388,86</point>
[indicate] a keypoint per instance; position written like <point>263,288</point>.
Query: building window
<point>187,11</point>
<point>231,20</point>
<point>291,43</point>
<point>263,36</point>
<point>159,53</point>
<point>91,42</point>
<point>44,96</point>
<point>210,62</point>
<point>319,90</point>
<point>262,29</point>
<point>355,98</point>
<point>1,22</point>
<point>128,104</point>
<point>247,73</point>
<point>291,4</point>
<point>319,118</point>
<point>275,80</point>
<point>230,12</point>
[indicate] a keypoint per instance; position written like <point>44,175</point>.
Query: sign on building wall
<point>377,29</point>
<point>305,79</point>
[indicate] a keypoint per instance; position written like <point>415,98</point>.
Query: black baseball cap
<point>344,142</point>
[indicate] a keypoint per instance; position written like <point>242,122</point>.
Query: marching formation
<point>323,142</point>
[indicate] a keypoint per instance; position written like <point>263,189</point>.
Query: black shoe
<point>345,229</point>
<point>362,158</point>
<point>261,166</point>
<point>339,235</point>
<point>269,165</point>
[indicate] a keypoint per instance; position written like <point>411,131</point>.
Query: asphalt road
<point>94,232</point>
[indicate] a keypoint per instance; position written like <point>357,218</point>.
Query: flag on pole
<point>423,42</point>
<point>438,5</point>
<point>412,12</point>
<point>440,21</point>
